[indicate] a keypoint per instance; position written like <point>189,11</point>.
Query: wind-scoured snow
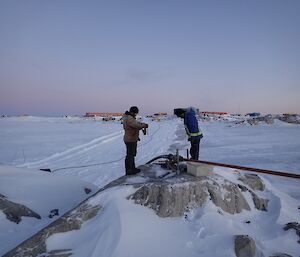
<point>123,228</point>
<point>41,192</point>
<point>94,151</point>
<point>96,145</point>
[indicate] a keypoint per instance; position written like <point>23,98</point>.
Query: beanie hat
<point>134,109</point>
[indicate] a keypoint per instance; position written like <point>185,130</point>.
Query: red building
<point>103,114</point>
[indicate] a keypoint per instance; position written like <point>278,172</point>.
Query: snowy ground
<point>41,192</point>
<point>59,143</point>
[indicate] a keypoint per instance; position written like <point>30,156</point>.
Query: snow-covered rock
<point>15,211</point>
<point>27,198</point>
<point>167,194</point>
<point>244,246</point>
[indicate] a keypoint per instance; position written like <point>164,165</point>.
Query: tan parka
<point>132,128</point>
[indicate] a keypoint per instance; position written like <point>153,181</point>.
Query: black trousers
<point>195,147</point>
<point>129,160</point>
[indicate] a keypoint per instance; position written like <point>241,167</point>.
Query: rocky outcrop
<point>244,246</point>
<point>228,197</point>
<point>269,119</point>
<point>253,181</point>
<point>290,118</point>
<point>170,196</point>
<point>15,211</point>
<point>72,220</point>
<point>37,244</point>
<point>171,200</point>
<point>253,121</point>
<point>295,226</point>
<point>281,255</point>
<point>259,203</point>
<point>174,197</point>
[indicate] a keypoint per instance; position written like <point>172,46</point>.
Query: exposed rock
<point>59,253</point>
<point>253,181</point>
<point>291,118</point>
<point>293,225</point>
<point>267,119</point>
<point>87,190</point>
<point>253,121</point>
<point>244,246</point>
<point>171,200</point>
<point>281,255</point>
<point>15,211</point>
<point>232,201</point>
<point>37,244</point>
<point>54,212</point>
<point>260,203</point>
<point>243,188</point>
<point>169,197</point>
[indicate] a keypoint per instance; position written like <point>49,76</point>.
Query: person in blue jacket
<point>193,131</point>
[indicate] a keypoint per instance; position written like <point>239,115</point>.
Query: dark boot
<point>137,170</point>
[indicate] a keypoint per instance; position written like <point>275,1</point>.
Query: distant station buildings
<point>103,114</point>
<point>160,114</point>
<point>253,114</point>
<point>213,113</point>
<point>180,112</point>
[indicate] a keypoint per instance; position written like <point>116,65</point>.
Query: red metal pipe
<point>270,172</point>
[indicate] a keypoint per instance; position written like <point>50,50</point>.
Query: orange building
<point>102,114</point>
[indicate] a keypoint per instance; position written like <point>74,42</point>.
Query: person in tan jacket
<point>131,136</point>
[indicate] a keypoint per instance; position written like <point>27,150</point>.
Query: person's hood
<point>191,110</point>
<point>128,114</point>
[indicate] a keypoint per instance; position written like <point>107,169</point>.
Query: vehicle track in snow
<point>76,152</point>
<point>107,163</point>
<point>101,160</point>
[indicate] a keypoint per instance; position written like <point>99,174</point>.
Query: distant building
<point>103,114</point>
<point>160,114</point>
<point>253,114</point>
<point>110,118</point>
<point>290,114</point>
<point>213,113</point>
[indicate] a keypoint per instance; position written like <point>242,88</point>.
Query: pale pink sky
<point>71,57</point>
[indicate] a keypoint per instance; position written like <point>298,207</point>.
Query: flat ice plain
<point>93,151</point>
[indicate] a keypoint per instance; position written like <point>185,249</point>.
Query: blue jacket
<point>191,125</point>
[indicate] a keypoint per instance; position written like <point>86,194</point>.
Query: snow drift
<point>225,214</point>
<point>31,199</point>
